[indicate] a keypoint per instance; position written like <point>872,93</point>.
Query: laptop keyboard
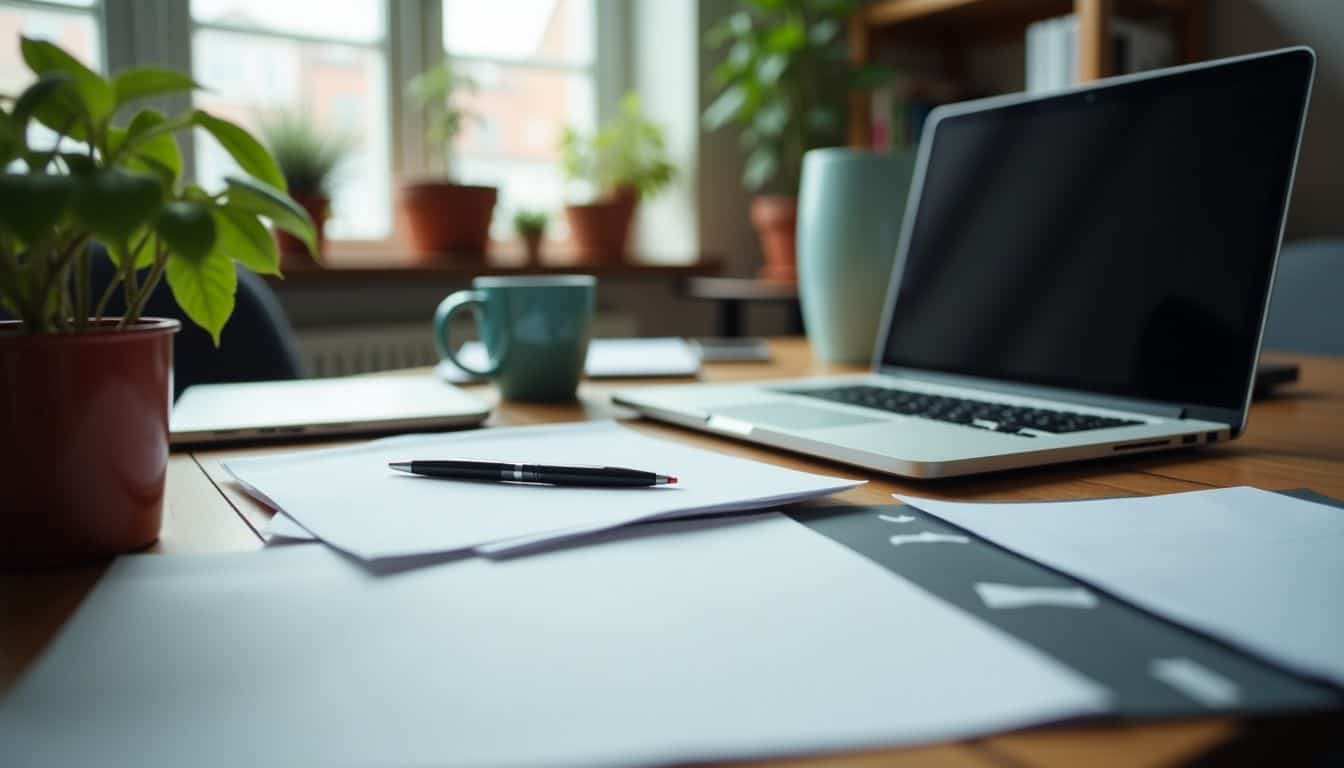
<point>1010,419</point>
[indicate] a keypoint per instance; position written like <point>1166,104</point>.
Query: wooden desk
<point>1293,441</point>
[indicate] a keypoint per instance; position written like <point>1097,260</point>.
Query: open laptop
<point>1079,275</point>
<point>352,405</point>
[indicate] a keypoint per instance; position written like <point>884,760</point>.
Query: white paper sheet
<point>664,644</point>
<point>1260,570</point>
<point>351,500</point>
<point>607,359</point>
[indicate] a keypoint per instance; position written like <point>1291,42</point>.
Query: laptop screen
<point>1118,240</point>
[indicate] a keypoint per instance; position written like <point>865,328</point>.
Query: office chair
<point>257,344</point>
<point>1304,312</point>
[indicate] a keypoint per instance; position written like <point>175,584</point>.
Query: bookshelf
<point>953,27</point>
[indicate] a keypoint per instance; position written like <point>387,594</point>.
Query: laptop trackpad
<point>790,416</point>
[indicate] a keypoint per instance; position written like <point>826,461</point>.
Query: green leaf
<point>250,155</point>
<point>54,102</point>
<point>155,150</point>
<point>78,163</point>
<point>114,203</point>
<point>143,82</point>
<point>32,205</point>
<point>242,238</point>
<point>771,67</point>
<point>787,37</point>
<point>143,257</point>
<point>773,118</point>
<point>96,96</point>
<point>204,288</point>
<point>823,32</point>
<point>726,108</point>
<point>762,165</point>
<point>187,228</point>
<point>252,197</point>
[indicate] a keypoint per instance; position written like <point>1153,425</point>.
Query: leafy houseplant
<point>624,161</point>
<point>784,85</point>
<point>85,412</point>
<point>308,158</point>
<point>531,226</point>
<point>445,217</point>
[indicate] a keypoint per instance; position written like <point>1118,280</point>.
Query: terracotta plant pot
<point>599,232</point>
<point>84,454</point>
<point>293,253</point>
<point>449,219</point>
<point>775,218</point>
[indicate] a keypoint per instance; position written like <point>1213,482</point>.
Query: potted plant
<point>531,227</point>
<point>784,84</point>
<point>84,412</point>
<point>624,161</point>
<point>445,217</point>
<point>308,158</point>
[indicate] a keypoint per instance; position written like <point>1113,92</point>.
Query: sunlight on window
<point>532,61</point>
<point>246,53</point>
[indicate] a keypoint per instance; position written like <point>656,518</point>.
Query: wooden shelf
<point>950,26</point>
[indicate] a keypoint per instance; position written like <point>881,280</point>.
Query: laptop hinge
<point>1112,402</point>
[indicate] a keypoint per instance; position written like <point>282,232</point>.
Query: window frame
<point>143,32</point>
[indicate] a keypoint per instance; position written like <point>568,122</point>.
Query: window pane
<point>342,88</point>
<point>511,140</point>
<point>545,30</point>
<point>75,31</point>
<point>348,20</point>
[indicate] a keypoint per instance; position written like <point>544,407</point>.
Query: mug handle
<point>474,301</point>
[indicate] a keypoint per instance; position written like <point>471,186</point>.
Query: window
<point>71,24</point>
<point>533,62</point>
<point>329,61</point>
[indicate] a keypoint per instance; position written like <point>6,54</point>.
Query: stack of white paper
<point>351,500</point>
<point>658,645</point>
<point>1260,570</point>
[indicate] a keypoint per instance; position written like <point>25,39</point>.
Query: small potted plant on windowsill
<point>624,161</point>
<point>84,412</point>
<point>308,158</point>
<point>531,227</point>
<point>445,218</point>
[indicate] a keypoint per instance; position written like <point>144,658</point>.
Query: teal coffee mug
<point>535,331</point>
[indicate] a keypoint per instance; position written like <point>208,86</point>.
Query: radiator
<point>364,349</point>
<point>348,350</point>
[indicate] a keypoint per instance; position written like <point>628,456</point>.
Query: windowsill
<point>378,261</point>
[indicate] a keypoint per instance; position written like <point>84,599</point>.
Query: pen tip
<point>671,480</point>
<point>404,466</point>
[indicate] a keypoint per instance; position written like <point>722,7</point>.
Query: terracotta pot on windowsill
<point>84,453</point>
<point>293,253</point>
<point>449,220</point>
<point>600,231</point>
<point>775,218</point>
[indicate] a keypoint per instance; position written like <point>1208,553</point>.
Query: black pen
<point>498,471</point>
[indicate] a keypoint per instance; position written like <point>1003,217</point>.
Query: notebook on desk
<point>1080,275</point>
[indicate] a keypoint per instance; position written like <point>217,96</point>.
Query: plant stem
<point>160,263</point>
<point>105,298</point>
<point>82,281</point>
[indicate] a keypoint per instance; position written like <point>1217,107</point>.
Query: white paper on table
<point>1260,570</point>
<point>349,498</point>
<point>689,641</point>
<point>607,359</point>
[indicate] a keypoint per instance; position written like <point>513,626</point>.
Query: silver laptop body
<point>1024,326</point>
<point>355,405</point>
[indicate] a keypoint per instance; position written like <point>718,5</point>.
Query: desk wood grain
<point>1292,441</point>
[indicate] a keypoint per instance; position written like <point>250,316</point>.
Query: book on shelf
<point>1052,51</point>
<point>898,110</point>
